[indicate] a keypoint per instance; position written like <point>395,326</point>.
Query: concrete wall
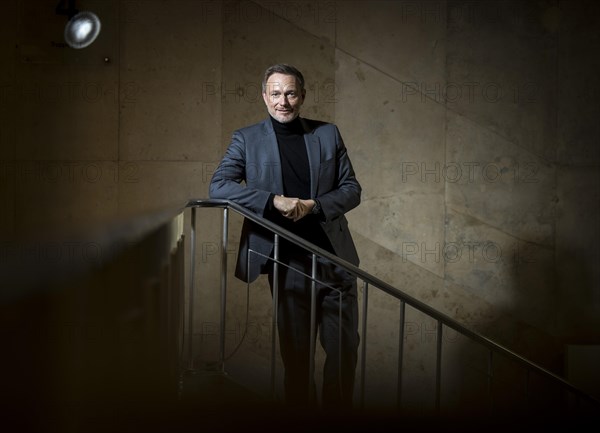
<point>472,127</point>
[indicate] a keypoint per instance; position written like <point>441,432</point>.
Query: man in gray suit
<point>296,172</point>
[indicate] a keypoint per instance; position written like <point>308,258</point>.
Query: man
<point>297,174</point>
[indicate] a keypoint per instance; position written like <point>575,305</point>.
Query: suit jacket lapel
<point>313,149</point>
<point>272,161</point>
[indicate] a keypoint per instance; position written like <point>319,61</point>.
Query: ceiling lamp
<point>82,28</point>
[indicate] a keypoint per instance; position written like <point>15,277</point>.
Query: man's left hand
<point>293,208</point>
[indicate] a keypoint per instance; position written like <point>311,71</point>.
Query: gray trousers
<point>294,301</point>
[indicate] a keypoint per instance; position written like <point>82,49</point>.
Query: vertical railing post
<point>363,351</point>
<point>530,368</point>
<point>275,296</point>
<point>223,287</point>
<point>400,353</point>
<point>191,292</point>
<point>438,367</point>
<point>527,383</point>
<point>313,329</point>
<point>490,383</point>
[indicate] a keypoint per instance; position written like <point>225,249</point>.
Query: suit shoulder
<point>252,129</point>
<point>318,126</point>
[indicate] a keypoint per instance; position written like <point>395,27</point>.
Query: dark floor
<point>212,402</point>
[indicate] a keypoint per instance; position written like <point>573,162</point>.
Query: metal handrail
<point>370,280</point>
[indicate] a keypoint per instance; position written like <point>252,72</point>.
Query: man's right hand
<point>293,208</point>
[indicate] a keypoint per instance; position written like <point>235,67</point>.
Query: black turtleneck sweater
<point>294,159</point>
<point>295,171</point>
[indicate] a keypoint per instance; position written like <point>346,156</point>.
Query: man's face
<point>283,97</point>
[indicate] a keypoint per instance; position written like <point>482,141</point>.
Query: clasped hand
<point>293,208</point>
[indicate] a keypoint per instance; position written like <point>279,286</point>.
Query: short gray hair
<point>283,68</point>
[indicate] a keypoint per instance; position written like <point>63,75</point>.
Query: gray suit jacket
<point>253,158</point>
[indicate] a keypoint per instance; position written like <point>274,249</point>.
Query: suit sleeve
<point>346,196</point>
<point>226,182</point>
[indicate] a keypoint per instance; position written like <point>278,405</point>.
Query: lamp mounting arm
<point>66,7</point>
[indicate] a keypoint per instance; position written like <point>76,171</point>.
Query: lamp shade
<point>82,29</point>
